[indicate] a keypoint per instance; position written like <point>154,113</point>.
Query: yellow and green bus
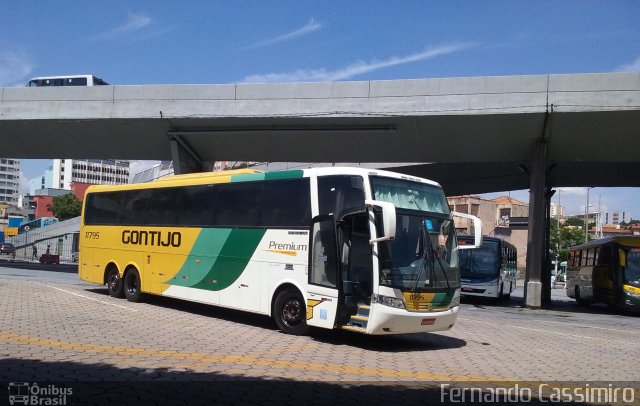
<point>606,271</point>
<point>363,250</point>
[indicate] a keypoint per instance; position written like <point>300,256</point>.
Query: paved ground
<point>56,328</point>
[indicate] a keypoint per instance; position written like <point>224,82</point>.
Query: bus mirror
<point>477,230</point>
<point>388,220</point>
<point>623,258</point>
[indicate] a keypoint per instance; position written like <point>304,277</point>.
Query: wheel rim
<point>292,312</point>
<point>132,285</point>
<point>114,281</point>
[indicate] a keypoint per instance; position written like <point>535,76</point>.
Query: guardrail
<point>57,249</point>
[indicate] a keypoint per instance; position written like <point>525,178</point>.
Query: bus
<point>67,80</point>
<point>363,250</point>
<point>606,271</point>
<point>489,271</point>
<point>35,224</point>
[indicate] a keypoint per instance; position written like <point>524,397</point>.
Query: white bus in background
<point>67,80</point>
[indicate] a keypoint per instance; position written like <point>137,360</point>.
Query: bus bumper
<point>480,290</point>
<point>388,320</point>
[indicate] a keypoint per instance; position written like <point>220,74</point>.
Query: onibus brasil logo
<point>25,393</point>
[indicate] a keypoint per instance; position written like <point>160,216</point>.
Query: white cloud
<point>15,67</point>
<point>135,23</point>
<point>308,28</point>
<point>138,166</point>
<point>630,67</point>
<point>24,184</point>
<point>358,68</point>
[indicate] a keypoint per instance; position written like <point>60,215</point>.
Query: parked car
<point>7,248</point>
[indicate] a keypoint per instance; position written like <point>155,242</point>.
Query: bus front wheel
<point>290,312</point>
<point>114,283</point>
<point>132,287</point>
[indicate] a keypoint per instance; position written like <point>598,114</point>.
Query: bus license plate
<point>428,322</point>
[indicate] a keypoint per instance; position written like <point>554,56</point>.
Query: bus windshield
<point>632,269</point>
<point>423,255</point>
<point>410,195</point>
<point>480,262</point>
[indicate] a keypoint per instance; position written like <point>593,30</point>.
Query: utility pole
<point>586,217</point>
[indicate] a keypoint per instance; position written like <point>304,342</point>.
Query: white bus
<point>364,250</point>
<point>489,271</point>
<point>67,80</point>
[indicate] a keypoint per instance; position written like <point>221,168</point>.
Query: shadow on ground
<point>19,264</point>
<point>390,343</point>
<point>106,384</point>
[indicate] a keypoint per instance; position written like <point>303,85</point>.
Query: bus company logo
<point>25,393</point>
<point>156,238</point>
<point>290,249</point>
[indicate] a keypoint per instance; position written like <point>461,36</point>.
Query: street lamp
<point>586,223</point>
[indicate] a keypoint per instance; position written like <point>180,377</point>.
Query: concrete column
<point>546,265</point>
<point>184,159</point>
<point>537,224</point>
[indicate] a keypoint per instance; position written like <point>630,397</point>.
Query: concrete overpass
<point>481,134</point>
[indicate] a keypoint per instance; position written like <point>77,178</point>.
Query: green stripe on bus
<point>218,270</point>
<point>442,298</point>
<point>294,174</point>
<point>250,177</point>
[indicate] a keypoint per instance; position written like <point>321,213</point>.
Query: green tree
<point>560,239</point>
<point>65,206</point>
<point>574,221</point>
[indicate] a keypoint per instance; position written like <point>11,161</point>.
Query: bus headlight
<point>388,301</point>
<point>456,299</point>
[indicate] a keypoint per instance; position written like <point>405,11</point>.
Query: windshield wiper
<point>423,260</point>
<point>426,235</point>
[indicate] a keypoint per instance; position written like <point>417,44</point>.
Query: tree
<point>562,238</point>
<point>65,206</point>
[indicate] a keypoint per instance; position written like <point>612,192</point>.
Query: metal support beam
<point>185,159</point>
<point>537,224</point>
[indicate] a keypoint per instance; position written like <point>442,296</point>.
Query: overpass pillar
<point>536,240</point>
<point>185,159</point>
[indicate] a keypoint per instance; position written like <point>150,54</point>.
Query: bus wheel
<point>508,296</point>
<point>132,288</point>
<point>579,300</point>
<point>114,283</point>
<point>290,312</point>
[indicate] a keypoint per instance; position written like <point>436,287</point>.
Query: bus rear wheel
<point>114,283</point>
<point>132,287</point>
<point>290,312</point>
<point>581,302</point>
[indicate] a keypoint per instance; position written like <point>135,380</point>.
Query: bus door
<point>324,282</point>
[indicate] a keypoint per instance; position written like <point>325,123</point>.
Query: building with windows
<point>615,217</point>
<point>92,171</point>
<point>10,181</point>
<point>556,211</point>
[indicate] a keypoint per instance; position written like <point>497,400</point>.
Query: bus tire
<point>508,295</point>
<point>579,300</point>
<point>290,312</point>
<point>132,286</point>
<point>114,283</point>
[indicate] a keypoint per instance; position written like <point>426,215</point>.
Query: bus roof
<point>467,237</point>
<point>204,178</point>
<point>629,240</point>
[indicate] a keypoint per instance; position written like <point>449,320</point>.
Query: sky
<point>235,41</point>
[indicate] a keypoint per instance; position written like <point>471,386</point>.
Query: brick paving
<point>74,332</point>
